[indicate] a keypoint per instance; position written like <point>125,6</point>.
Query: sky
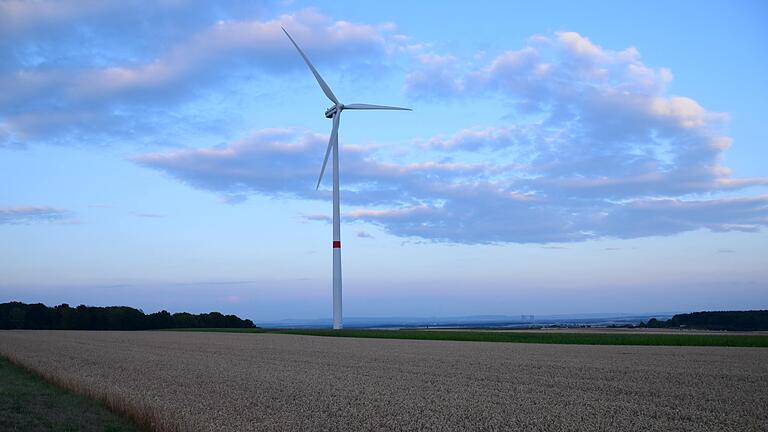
<point>561,157</point>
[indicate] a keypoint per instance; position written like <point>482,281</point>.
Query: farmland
<point>594,337</point>
<point>565,336</point>
<point>267,381</point>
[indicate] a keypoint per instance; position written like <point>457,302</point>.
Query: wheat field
<point>280,382</point>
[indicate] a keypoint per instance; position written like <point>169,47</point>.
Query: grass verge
<point>723,340</point>
<point>29,403</point>
<point>46,391</point>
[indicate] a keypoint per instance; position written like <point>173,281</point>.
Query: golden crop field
<point>255,382</point>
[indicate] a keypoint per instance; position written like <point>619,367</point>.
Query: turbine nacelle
<point>330,112</point>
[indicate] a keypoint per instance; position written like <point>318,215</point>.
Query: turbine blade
<point>374,107</point>
<point>323,85</point>
<point>334,140</point>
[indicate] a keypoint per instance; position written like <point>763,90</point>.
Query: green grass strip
<point>722,340</point>
<point>28,403</point>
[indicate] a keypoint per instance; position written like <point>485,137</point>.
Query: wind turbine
<point>334,113</point>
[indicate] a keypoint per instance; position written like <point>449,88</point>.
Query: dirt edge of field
<point>145,417</point>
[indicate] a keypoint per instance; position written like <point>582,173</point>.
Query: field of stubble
<point>243,382</point>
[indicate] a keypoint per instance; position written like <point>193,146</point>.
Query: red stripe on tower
<point>337,244</point>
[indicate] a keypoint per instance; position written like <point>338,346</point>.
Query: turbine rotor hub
<point>330,112</point>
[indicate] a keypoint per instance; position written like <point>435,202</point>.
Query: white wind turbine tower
<point>334,113</point>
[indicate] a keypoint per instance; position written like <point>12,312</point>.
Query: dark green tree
<point>17,315</point>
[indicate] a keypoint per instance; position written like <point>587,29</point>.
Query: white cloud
<point>229,41</point>
<point>20,15</point>
<point>490,202</point>
<point>604,127</point>
<point>608,153</point>
<point>318,217</point>
<point>268,161</point>
<point>667,216</point>
<point>30,214</point>
<point>598,149</point>
<point>109,91</point>
<point>435,76</point>
<point>480,138</point>
<point>579,46</point>
<point>363,234</point>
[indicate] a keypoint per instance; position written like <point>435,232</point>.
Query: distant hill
<point>604,319</point>
<point>17,315</point>
<point>720,320</point>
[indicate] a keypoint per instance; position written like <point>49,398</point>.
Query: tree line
<point>720,320</point>
<point>17,315</point>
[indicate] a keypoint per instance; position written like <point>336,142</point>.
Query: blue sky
<point>561,157</point>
